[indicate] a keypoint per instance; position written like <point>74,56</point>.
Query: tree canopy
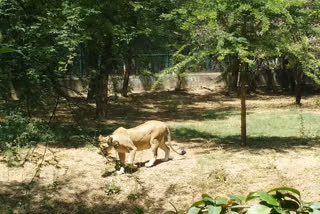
<point>53,35</point>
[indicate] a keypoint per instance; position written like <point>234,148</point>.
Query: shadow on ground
<point>27,203</point>
<point>232,142</point>
<point>165,106</point>
<point>34,197</point>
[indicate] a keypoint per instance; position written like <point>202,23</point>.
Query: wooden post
<point>243,71</point>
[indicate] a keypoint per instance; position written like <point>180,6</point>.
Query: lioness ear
<point>116,143</point>
<point>109,140</point>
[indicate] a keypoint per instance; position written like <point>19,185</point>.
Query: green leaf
<point>315,206</point>
<point>194,210</point>
<point>280,211</point>
<point>259,209</point>
<point>220,201</point>
<point>207,198</point>
<point>198,203</point>
<point>139,211</point>
<point>263,196</point>
<point>214,209</point>
<point>9,50</point>
<point>285,189</point>
<point>170,212</point>
<point>315,212</point>
<point>239,199</point>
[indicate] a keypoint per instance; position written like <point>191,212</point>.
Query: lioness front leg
<point>132,155</point>
<point>154,149</point>
<point>122,157</point>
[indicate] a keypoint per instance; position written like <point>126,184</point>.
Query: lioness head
<point>107,143</point>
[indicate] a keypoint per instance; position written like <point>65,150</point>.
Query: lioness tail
<point>182,152</point>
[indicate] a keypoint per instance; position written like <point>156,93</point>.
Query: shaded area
<point>180,106</point>
<point>27,201</point>
<point>74,123</point>
<point>35,197</point>
<point>232,142</point>
<point>165,106</point>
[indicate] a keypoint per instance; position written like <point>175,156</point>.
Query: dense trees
<point>48,33</point>
<point>251,32</point>
<point>246,36</point>
<point>52,35</point>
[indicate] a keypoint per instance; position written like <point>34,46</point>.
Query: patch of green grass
<point>283,124</point>
<point>224,126</point>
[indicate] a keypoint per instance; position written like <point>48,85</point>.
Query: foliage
<point>280,200</point>
<point>53,36</point>
<point>18,130</point>
<point>249,31</point>
<point>184,65</point>
<point>9,50</point>
<point>256,30</point>
<point>48,34</point>
<point>112,189</point>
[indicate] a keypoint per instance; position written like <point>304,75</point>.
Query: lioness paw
<point>121,171</point>
<point>148,164</point>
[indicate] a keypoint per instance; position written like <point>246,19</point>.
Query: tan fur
<point>151,134</point>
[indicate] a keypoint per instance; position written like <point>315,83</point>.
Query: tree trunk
<point>298,93</point>
<point>126,76</point>
<point>92,88</point>
<point>102,91</point>
<point>271,81</point>
<point>232,78</point>
<point>128,70</point>
<point>244,68</point>
<point>298,85</point>
<point>13,92</point>
<point>101,97</point>
<point>284,80</point>
<point>179,82</point>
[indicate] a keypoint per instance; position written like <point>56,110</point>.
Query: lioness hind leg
<point>166,149</point>
<point>154,149</point>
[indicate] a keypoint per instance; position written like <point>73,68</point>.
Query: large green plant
<point>282,200</point>
<point>9,50</point>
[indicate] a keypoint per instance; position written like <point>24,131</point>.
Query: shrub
<point>17,130</point>
<point>281,200</point>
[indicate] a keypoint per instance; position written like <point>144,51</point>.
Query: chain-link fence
<point>152,63</point>
<point>143,64</point>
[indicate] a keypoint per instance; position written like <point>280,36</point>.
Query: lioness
<point>151,134</point>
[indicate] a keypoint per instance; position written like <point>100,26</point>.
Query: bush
<point>281,200</point>
<point>17,130</point>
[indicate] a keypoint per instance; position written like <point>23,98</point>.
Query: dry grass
<point>78,180</point>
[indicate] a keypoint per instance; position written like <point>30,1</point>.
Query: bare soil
<point>55,179</point>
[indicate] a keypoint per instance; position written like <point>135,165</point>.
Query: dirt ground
<point>55,179</point>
